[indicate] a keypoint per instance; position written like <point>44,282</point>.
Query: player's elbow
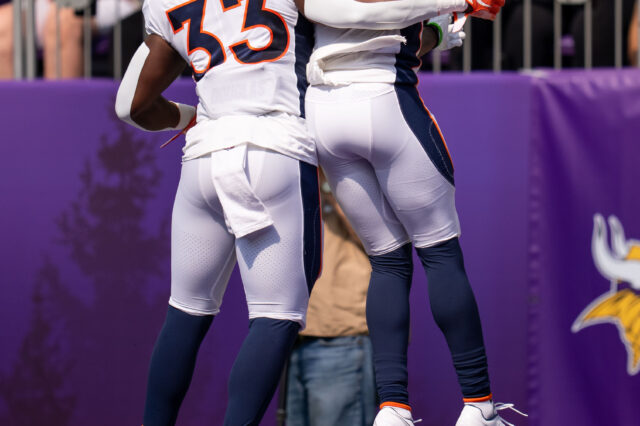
<point>122,112</point>
<point>127,110</point>
<point>123,105</point>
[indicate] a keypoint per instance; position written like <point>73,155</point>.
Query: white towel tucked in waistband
<point>327,57</point>
<point>244,212</point>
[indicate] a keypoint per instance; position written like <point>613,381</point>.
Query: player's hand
<point>449,36</point>
<point>484,9</point>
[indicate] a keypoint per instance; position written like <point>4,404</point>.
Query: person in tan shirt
<point>330,376</point>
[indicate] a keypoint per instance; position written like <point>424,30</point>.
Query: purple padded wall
<point>84,250</point>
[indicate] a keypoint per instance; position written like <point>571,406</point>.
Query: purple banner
<point>584,270</point>
<point>86,205</point>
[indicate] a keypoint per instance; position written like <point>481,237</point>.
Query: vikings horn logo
<point>620,307</point>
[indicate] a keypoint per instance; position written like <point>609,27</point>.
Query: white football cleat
<point>472,415</point>
<point>392,416</point>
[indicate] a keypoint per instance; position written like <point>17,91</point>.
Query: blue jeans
<point>331,383</point>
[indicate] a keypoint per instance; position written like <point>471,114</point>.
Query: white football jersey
<point>344,56</point>
<point>248,59</point>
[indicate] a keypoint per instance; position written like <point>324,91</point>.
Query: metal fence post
<point>18,68</point>
<point>86,40</point>
<point>58,44</point>
<point>30,39</point>
<point>436,58</point>
<point>618,33</point>
<point>117,45</point>
<point>588,35</point>
<point>557,35</point>
<point>527,28</point>
<point>466,48</point>
<point>497,43</point>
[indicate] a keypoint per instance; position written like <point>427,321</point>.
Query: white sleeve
<point>127,91</point>
<point>129,84</point>
<point>386,15</point>
<point>155,19</point>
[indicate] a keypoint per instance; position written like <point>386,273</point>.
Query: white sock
<point>487,408</point>
<point>402,411</point>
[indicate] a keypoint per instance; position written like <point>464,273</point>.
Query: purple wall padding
<point>84,262</point>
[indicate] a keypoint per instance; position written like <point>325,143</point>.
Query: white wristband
<point>187,112</point>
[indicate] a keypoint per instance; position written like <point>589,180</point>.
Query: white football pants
<point>278,264</point>
<point>387,163</point>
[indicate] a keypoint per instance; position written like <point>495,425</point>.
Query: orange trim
<point>395,404</point>
<point>481,399</point>
<point>224,9</point>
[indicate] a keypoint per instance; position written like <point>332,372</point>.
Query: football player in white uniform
<point>248,189</point>
<point>389,167</point>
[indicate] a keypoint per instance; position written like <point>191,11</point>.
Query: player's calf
<point>257,369</point>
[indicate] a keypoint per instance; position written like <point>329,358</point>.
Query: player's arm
<point>390,14</point>
<point>440,33</point>
<point>139,102</point>
<point>430,40</point>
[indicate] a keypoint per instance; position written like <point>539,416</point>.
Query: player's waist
<point>280,132</point>
<point>345,77</point>
<point>248,91</point>
<point>372,61</point>
<point>327,94</point>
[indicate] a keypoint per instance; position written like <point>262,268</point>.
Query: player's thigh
<point>280,263</point>
<point>202,250</point>
<point>355,186</point>
<point>414,168</point>
<point>341,121</point>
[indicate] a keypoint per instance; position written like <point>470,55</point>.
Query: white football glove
<point>449,37</point>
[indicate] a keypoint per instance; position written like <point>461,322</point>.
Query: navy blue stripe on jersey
<point>425,129</point>
<point>312,239</point>
<point>305,39</point>
<point>407,59</point>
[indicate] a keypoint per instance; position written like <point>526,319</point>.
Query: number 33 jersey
<point>248,59</point>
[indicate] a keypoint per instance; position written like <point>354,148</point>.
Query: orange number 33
<point>256,15</point>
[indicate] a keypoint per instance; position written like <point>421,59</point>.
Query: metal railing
<point>527,28</point>
<point>25,46</point>
<point>26,56</point>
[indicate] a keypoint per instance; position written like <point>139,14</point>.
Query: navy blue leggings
<point>454,309</point>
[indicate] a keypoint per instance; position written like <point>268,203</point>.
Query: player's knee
<point>297,316</point>
<point>195,306</point>
<point>398,262</point>
<point>445,254</point>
